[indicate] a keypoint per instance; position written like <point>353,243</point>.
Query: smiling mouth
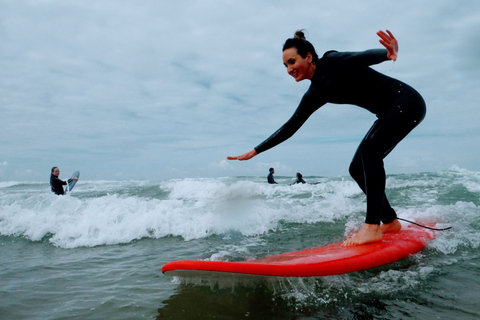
<point>294,74</point>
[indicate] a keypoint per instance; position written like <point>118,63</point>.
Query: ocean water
<point>97,253</point>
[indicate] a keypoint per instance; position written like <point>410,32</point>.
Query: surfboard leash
<point>424,226</point>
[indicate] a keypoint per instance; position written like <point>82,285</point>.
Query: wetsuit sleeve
<point>57,182</point>
<point>355,59</point>
<point>307,106</point>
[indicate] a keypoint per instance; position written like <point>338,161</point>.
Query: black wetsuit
<point>346,78</point>
<point>270,179</point>
<point>57,184</point>
<point>300,180</point>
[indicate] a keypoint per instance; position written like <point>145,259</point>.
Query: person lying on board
<point>56,184</point>
<point>346,78</point>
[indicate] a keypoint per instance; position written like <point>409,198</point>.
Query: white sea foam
<point>113,212</point>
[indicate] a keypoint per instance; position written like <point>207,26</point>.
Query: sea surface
<point>97,253</point>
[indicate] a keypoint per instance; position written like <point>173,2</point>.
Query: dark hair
<point>299,175</point>
<point>54,168</point>
<point>271,169</point>
<point>302,45</point>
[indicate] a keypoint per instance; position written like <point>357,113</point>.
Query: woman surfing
<point>346,78</point>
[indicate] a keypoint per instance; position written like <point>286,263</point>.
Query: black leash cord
<point>424,226</point>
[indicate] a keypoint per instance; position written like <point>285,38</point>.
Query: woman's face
<point>56,172</point>
<point>299,68</point>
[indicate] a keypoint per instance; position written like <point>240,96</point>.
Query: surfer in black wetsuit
<point>299,178</point>
<point>56,184</point>
<point>270,176</point>
<point>346,78</point>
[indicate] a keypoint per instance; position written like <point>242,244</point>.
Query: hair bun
<point>300,35</point>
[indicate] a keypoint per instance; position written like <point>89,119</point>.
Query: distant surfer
<point>346,78</point>
<point>270,178</point>
<point>56,184</point>
<point>299,178</point>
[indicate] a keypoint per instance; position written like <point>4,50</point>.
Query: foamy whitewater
<point>97,252</point>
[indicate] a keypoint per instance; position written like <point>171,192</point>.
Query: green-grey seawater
<point>98,253</point>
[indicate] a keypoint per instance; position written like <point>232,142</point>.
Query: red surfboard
<point>332,259</point>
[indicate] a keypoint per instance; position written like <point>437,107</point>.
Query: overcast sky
<point>157,89</point>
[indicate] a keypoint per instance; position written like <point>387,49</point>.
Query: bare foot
<point>393,226</point>
<point>368,234</point>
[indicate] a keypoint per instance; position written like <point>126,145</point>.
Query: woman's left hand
<point>389,42</point>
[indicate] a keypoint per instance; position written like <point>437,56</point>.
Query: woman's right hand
<point>245,156</point>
